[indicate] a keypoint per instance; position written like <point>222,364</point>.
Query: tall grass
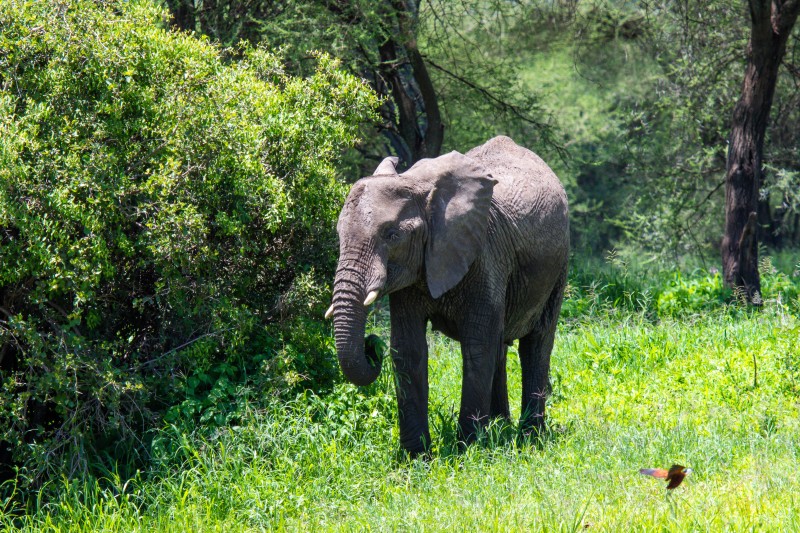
<point>713,387</point>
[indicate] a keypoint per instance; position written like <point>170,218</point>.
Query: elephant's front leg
<point>482,348</point>
<point>410,358</point>
<point>499,407</point>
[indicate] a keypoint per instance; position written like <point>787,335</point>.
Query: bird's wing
<point>676,469</point>
<point>655,472</point>
<point>675,480</point>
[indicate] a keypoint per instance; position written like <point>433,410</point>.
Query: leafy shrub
<point>779,286</point>
<point>704,290</point>
<point>157,204</point>
<point>697,292</point>
<point>613,284</point>
<point>665,291</point>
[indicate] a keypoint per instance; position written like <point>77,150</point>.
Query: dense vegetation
<point>170,176</point>
<point>158,207</point>
<point>649,369</point>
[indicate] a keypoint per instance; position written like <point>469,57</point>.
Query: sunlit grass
<point>717,392</point>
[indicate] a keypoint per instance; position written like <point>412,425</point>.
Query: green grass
<point>717,391</point>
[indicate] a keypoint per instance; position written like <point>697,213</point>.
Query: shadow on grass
<point>500,435</point>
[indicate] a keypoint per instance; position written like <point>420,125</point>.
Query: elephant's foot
<point>500,410</point>
<point>418,444</point>
<point>532,426</point>
<point>470,428</point>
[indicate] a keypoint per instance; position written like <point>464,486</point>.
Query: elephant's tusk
<point>371,297</point>
<point>329,312</point>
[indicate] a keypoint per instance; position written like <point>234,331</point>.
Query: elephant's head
<point>396,230</point>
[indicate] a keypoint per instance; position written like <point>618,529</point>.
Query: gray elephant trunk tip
<point>349,320</point>
<point>373,350</point>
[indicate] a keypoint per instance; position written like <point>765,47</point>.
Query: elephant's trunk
<point>349,322</point>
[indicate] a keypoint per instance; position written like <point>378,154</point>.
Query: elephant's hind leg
<point>534,355</point>
<point>534,358</point>
<point>499,406</point>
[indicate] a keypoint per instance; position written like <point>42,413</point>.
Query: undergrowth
<point>704,382</point>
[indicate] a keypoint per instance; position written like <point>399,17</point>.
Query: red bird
<point>674,475</point>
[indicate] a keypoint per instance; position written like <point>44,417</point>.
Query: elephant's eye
<point>391,234</point>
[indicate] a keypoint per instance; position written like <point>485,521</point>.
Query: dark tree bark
<point>183,15</point>
<point>431,144</point>
<point>771,25</point>
<point>419,126</point>
<point>420,129</point>
<point>224,20</point>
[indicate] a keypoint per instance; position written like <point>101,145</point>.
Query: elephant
<point>475,244</point>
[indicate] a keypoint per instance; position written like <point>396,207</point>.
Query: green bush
<point>779,286</point>
<point>692,293</point>
<point>598,286</point>
<point>703,291</point>
<point>662,290</point>
<point>160,207</point>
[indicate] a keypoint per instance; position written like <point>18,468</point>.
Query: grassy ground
<point>715,390</point>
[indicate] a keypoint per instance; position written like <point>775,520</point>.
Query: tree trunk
<point>431,144</point>
<point>419,121</point>
<point>771,25</point>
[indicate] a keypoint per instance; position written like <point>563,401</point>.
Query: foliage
<point>158,207</point>
<point>473,51</point>
<point>716,391</point>
<point>587,62</point>
<point>437,64</point>
<point>679,149</point>
<point>659,291</point>
<point>643,93</point>
<point>361,34</point>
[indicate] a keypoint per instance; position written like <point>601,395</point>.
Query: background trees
<point>648,147</point>
<point>375,40</point>
<point>430,62</point>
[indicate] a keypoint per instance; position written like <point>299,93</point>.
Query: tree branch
<point>434,133</point>
<point>783,15</point>
<point>791,6</point>
<point>502,104</point>
<point>498,102</point>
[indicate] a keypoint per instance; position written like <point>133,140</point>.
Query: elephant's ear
<point>388,167</point>
<point>458,207</point>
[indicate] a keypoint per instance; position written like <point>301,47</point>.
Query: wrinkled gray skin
<point>477,244</point>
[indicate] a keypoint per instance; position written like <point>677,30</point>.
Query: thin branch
<point>687,228</point>
<point>499,102</point>
<point>485,92</point>
<point>182,346</point>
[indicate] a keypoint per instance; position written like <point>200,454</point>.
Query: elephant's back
<point>526,185</point>
<point>527,192</point>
